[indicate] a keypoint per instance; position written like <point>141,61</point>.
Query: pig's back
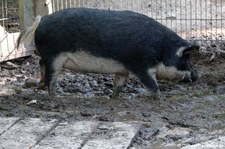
<point>104,33</point>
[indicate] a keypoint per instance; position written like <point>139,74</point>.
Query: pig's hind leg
<point>119,81</point>
<point>42,82</point>
<point>52,69</point>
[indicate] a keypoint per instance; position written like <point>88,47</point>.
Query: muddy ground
<point>191,113</point>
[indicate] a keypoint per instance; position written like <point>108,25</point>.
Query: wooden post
<point>25,13</point>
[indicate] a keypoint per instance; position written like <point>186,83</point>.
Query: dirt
<point>191,113</point>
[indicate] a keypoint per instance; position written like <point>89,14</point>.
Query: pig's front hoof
<point>155,95</point>
<point>51,92</point>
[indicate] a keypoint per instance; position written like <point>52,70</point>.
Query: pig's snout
<point>192,76</point>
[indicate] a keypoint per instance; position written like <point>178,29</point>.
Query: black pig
<point>102,41</point>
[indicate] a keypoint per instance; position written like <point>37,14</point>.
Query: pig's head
<point>176,66</point>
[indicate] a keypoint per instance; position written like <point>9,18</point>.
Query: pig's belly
<point>84,62</point>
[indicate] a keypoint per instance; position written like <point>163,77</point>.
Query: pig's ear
<point>187,50</point>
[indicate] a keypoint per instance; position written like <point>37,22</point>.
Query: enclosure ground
<point>53,133</point>
<point>190,114</point>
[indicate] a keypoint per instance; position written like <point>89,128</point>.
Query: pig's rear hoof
<point>41,85</point>
<point>114,95</point>
<point>155,96</point>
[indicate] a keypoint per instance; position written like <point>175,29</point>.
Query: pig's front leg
<point>148,78</point>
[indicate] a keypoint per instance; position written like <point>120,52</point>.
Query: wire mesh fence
<point>9,15</point>
<point>9,30</point>
<point>192,19</point>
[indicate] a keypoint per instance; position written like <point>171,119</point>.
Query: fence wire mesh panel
<point>9,30</point>
<point>192,19</point>
<point>9,15</point>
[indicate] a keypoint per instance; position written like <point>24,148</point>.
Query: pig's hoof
<point>51,92</point>
<point>114,95</point>
<point>41,85</point>
<point>155,96</point>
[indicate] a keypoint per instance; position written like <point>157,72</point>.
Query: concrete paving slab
<point>35,133</point>
<point>25,133</point>
<point>6,123</point>
<point>117,135</point>
<point>70,135</point>
<point>218,143</point>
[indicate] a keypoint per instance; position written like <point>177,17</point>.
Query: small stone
<point>209,98</point>
<point>85,113</point>
<point>103,127</point>
<point>32,102</point>
<point>220,89</point>
<point>31,83</point>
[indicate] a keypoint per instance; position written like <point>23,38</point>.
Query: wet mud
<point>190,112</point>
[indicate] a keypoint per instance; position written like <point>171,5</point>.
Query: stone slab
<point>6,123</point>
<point>218,143</point>
<point>69,135</point>
<point>34,133</point>
<point>25,133</point>
<point>116,135</point>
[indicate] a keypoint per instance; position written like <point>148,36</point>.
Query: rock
<point>86,113</point>
<point>218,143</point>
<point>32,102</point>
<point>220,89</point>
<point>31,83</point>
<point>209,98</point>
<point>176,133</point>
